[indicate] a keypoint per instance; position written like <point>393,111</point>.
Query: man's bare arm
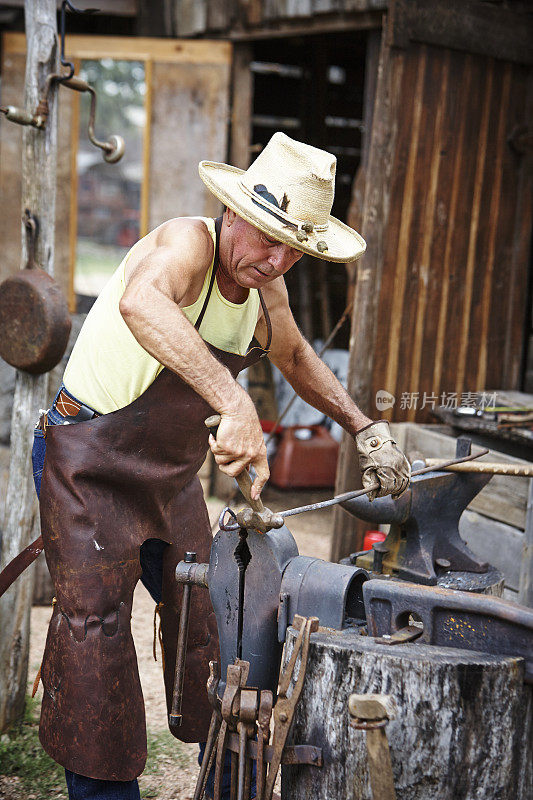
<point>305,371</point>
<point>163,279</point>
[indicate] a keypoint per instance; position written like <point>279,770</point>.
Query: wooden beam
<point>339,23</point>
<point>38,195</point>
<point>116,8</point>
<point>347,535</point>
<point>134,48</point>
<point>469,25</point>
<point>242,103</point>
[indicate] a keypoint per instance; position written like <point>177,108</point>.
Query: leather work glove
<point>381,460</point>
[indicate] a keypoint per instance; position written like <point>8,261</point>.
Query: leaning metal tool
<point>370,713</point>
<point>263,722</point>
<point>214,728</point>
<point>285,706</point>
<point>175,717</point>
<point>246,517</point>
<point>237,675</point>
<point>246,731</point>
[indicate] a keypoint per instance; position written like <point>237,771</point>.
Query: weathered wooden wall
<point>453,291</point>
<point>441,295</point>
<point>200,17</point>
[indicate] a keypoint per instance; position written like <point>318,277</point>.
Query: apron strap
<point>252,354</point>
<point>218,226</point>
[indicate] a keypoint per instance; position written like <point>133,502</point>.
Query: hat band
<point>268,203</point>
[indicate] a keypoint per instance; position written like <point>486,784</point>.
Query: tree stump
<point>463,730</point>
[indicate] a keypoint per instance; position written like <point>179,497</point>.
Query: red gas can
<point>306,458</point>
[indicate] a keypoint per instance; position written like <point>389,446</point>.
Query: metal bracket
<point>451,618</point>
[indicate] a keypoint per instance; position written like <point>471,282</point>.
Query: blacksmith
<point>120,497</point>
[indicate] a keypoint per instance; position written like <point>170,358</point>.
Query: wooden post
<point>525,587</point>
<point>462,727</point>
<point>38,195</point>
<point>347,534</point>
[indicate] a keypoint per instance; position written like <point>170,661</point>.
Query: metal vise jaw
<point>424,527</point>
<point>279,584</point>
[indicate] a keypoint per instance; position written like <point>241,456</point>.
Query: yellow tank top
<point>108,369</point>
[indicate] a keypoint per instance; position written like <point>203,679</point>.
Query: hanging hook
<point>32,231</point>
<point>64,63</point>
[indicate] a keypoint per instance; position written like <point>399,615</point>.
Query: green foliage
<point>22,756</point>
<point>39,777</point>
<point>120,90</point>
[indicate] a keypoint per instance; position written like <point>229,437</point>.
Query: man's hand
<point>239,444</point>
<point>382,461</point>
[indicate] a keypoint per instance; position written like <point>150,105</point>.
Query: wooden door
<point>441,300</point>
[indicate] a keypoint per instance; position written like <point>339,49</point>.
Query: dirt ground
<point>173,776</point>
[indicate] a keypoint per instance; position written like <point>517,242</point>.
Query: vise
<point>262,578</point>
<point>424,543</point>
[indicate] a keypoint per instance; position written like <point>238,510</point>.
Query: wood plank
<point>507,311</point>
<point>395,176</point>
<point>312,25</point>
<point>492,190</point>
<point>10,161</point>
<point>525,582</point>
<point>147,142</point>
<point>520,252</point>
<point>365,317</point>
<point>460,226</point>
<point>481,149</point>
<point>437,283</point>
<point>191,99</point>
<point>457,145</point>
<point>407,211</point>
<point>467,25</point>
<point>191,17</point>
<point>39,163</point>
<point>495,542</point>
<point>136,48</point>
<point>429,171</point>
<point>242,104</point>
<point>120,8</point>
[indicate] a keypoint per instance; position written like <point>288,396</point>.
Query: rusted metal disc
<point>34,321</point>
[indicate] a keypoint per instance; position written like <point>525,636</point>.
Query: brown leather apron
<point>108,485</point>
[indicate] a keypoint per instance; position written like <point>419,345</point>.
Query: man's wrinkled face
<point>255,258</point>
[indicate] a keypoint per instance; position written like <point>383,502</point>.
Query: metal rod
<point>488,468</point>
<point>175,716</point>
<point>341,498</point>
<point>340,323</point>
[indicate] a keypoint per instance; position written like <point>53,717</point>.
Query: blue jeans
<point>151,559</point>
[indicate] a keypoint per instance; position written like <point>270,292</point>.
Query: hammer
<point>256,516</point>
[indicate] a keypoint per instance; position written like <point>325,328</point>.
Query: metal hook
<point>31,224</point>
<point>228,526</point>
<point>64,63</point>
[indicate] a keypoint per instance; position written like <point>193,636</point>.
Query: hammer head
<point>261,521</point>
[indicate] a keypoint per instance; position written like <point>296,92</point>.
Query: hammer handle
<point>244,480</point>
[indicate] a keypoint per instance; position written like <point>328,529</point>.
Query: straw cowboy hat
<point>288,193</point>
